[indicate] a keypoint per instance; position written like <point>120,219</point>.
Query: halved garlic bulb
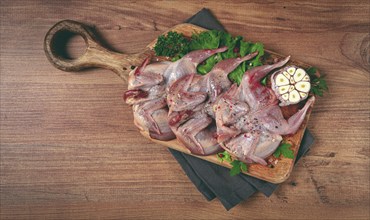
<point>291,85</point>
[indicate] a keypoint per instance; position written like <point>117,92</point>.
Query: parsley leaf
<point>235,170</point>
<point>237,166</point>
<point>284,149</point>
<point>256,61</point>
<point>173,45</point>
<point>318,84</point>
<point>208,64</point>
<point>224,156</point>
<point>205,40</point>
<point>243,167</point>
<point>231,43</point>
<point>311,71</point>
<point>244,49</point>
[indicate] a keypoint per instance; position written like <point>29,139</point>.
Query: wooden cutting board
<point>98,56</point>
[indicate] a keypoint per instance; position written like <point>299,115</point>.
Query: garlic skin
<point>291,85</point>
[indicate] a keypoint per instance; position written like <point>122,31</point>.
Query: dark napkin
<point>213,180</point>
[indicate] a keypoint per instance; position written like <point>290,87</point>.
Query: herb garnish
<point>284,149</point>
<point>237,166</point>
<point>318,83</point>
<point>236,48</point>
<point>173,45</point>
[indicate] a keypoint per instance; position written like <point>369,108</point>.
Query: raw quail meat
<point>250,122</point>
<point>188,99</point>
<point>147,86</point>
<point>209,113</point>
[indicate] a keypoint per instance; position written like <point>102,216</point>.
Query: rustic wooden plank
<point>64,136</point>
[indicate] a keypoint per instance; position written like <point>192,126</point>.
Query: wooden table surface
<point>69,149</point>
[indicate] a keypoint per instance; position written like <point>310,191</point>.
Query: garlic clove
<point>281,80</point>
<point>286,74</point>
<point>291,88</point>
<point>306,78</point>
<point>294,97</point>
<point>285,96</point>
<point>303,86</point>
<point>303,95</point>
<point>291,70</point>
<point>299,74</point>
<point>284,89</point>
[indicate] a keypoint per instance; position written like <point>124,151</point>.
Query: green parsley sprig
<point>175,45</point>
<point>318,83</point>
<point>284,149</point>
<point>172,45</point>
<point>237,166</point>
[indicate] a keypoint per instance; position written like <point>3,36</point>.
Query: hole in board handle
<point>68,45</point>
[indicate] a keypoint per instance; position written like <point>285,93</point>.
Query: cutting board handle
<point>95,55</point>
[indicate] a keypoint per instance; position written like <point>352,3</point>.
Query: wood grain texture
<point>67,140</point>
<point>94,55</point>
